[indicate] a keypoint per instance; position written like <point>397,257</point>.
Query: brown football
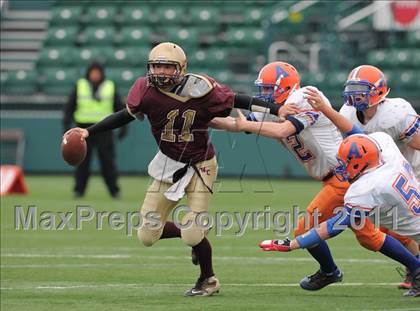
<point>73,148</point>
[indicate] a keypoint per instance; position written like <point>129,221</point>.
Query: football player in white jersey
<point>383,185</point>
<point>367,107</point>
<point>314,141</point>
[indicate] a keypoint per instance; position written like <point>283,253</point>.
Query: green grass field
<point>90,269</point>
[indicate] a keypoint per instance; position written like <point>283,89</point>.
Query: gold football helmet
<point>166,53</point>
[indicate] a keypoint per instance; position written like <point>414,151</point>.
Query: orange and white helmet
<point>276,81</point>
<point>167,53</point>
<point>366,86</point>
<point>356,155</point>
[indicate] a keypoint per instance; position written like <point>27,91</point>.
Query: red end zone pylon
<point>12,180</point>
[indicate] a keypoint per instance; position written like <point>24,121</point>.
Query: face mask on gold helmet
<point>166,53</point>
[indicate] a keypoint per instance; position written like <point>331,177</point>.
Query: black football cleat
<point>407,282</point>
<point>203,288</point>
<point>415,288</point>
<point>321,279</point>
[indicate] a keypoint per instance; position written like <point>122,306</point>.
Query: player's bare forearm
<point>269,129</point>
<point>415,142</point>
<point>228,124</point>
<point>317,102</point>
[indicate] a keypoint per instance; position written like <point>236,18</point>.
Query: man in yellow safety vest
<point>93,99</point>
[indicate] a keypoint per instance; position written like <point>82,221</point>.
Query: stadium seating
<point>133,36</point>
<point>62,36</point>
<point>100,15</point>
<point>205,15</point>
<point>56,56</point>
<point>187,37</point>
<point>98,36</point>
<point>86,55</point>
<point>134,15</point>
<point>124,77</point>
<point>413,38</point>
<point>229,41</point>
<point>58,81</point>
<point>20,82</point>
<point>244,36</point>
<point>126,56</point>
<point>65,15</point>
<point>211,58</point>
<point>169,15</point>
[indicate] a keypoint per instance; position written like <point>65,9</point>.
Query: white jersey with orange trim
<point>397,118</point>
<point>316,143</point>
<point>391,189</point>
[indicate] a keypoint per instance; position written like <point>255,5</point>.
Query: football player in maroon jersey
<point>180,108</point>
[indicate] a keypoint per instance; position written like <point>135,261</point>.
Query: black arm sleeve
<point>296,123</point>
<point>111,122</point>
<point>255,104</point>
<point>69,109</point>
<point>118,104</point>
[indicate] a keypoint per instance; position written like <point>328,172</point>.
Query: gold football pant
<point>198,198</point>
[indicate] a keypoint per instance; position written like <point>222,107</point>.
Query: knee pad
<point>148,237</point>
<point>193,233</point>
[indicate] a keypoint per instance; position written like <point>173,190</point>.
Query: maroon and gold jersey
<point>179,119</point>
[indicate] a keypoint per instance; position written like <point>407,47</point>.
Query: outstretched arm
<point>342,123</point>
<point>324,231</point>
<point>228,124</point>
<point>267,129</point>
<point>415,142</point>
<point>111,122</point>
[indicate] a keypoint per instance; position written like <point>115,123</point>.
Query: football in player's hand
<point>73,148</point>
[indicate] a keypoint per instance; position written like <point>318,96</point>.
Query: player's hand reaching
<point>287,110</point>
<point>276,245</point>
<point>314,98</point>
<point>240,121</point>
<point>80,131</point>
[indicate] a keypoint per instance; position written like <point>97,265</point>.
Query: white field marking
<point>88,265</point>
<point>240,259</point>
<point>137,250</point>
<point>151,285</point>
<point>31,255</point>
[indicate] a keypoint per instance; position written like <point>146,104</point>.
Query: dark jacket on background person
<point>95,101</point>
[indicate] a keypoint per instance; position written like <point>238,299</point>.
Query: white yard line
<point>242,259</point>
<point>88,265</point>
<point>32,255</point>
<point>151,285</point>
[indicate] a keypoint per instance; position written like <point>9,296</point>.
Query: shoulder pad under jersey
<point>196,86</point>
